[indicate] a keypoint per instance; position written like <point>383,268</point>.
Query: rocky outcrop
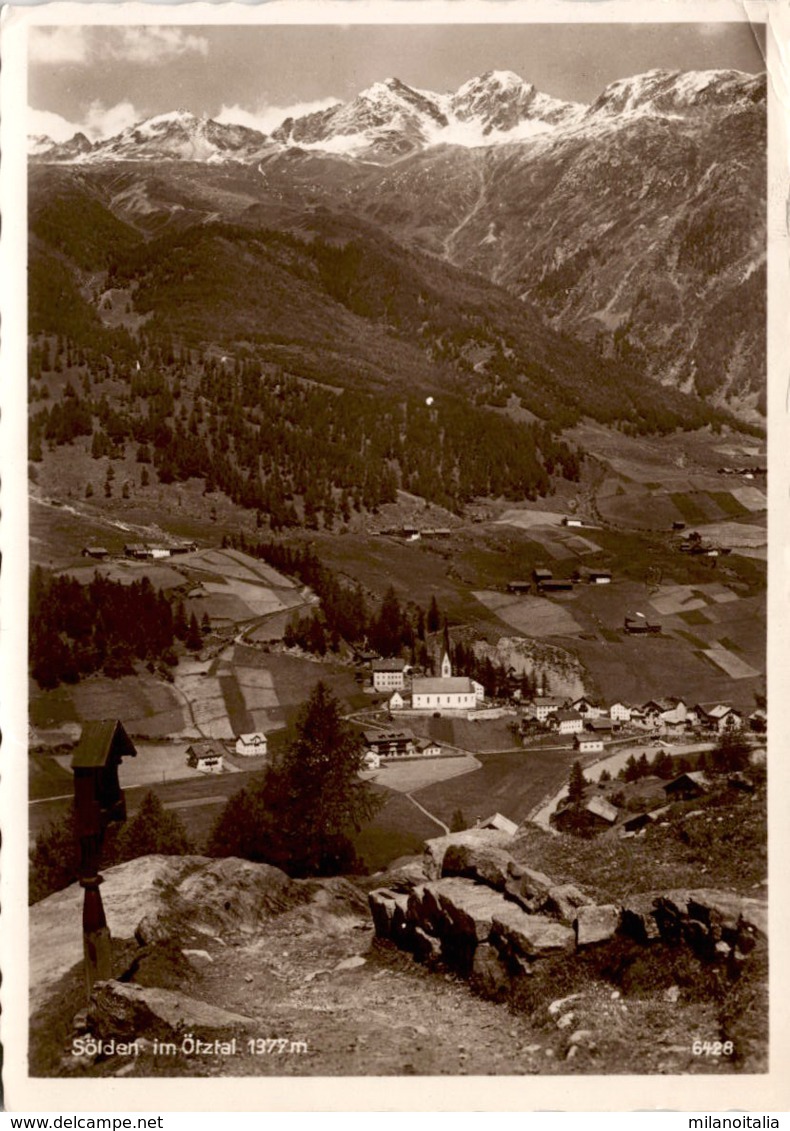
<point>487,841</point>
<point>493,918</point>
<point>125,1011</point>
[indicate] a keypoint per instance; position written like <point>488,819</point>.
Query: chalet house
<point>586,709</point>
<point>480,691</point>
<point>390,743</point>
<point>567,722</point>
<point>588,744</point>
<point>571,521</point>
<point>184,548</point>
<point>427,747</point>
<point>388,675</point>
<point>371,760</point>
<point>251,745</point>
<point>497,821</point>
<point>601,726</point>
<point>600,576</point>
<point>758,721</point>
<point>665,712</point>
<point>602,812</point>
<point>396,701</point>
<point>687,786</point>
<point>719,717</point>
<point>208,756</point>
<point>437,532</point>
<point>636,823</point>
<point>540,575</point>
<point>159,552</point>
<point>595,815</point>
<point>620,713</point>
<point>545,705</point>
<point>97,552</point>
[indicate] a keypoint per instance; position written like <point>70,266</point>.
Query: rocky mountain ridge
<point>390,120</point>
<point>637,224</point>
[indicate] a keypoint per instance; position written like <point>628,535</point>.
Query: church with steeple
<point>448,692</point>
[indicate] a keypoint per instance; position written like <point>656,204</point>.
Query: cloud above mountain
<point>100,122</point>
<point>268,118</point>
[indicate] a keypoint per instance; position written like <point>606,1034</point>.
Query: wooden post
<point>96,940</point>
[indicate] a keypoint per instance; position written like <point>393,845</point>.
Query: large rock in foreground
<point>125,1011</point>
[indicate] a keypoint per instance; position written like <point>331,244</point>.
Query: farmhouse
<point>208,756</point>
<point>252,745</point>
<point>539,575</point>
<point>184,548</point>
<point>567,722</point>
<point>600,576</point>
<point>98,552</point>
<point>586,709</point>
<point>571,521</point>
<point>427,747</point>
<point>719,717</point>
<point>640,626</point>
<point>594,816</point>
<point>588,745</point>
<point>388,674</point>
<point>555,585</point>
<point>602,726</point>
<point>620,713</point>
<point>390,743</point>
<point>158,552</point>
<point>497,821</point>
<point>519,586</point>
<point>396,701</point>
<point>138,550</point>
<point>544,705</point>
<point>669,712</point>
<point>371,760</point>
<point>687,786</point>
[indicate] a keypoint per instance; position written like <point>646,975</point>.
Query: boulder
<point>527,887</point>
<point>483,862</point>
<point>426,947</point>
<point>232,896</point>
<point>489,975</point>
<point>130,892</point>
<point>401,928</point>
<point>382,908</point>
<point>724,914</point>
<point>638,918</point>
<point>468,907</point>
<point>531,936</point>
<point>596,924</point>
<point>127,1011</point>
<point>563,900</point>
<point>160,964</point>
<point>434,851</point>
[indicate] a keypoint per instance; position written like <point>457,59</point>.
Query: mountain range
<point>635,224</point>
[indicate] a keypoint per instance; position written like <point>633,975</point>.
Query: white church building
<point>446,693</point>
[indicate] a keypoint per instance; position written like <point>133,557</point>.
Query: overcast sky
<point>102,79</point>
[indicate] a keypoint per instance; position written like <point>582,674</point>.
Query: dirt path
<point>445,829</point>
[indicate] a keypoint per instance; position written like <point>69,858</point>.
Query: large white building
<point>445,693</point>
<point>388,675</point>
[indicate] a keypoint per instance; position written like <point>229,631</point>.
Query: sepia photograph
<point>396,398</point>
